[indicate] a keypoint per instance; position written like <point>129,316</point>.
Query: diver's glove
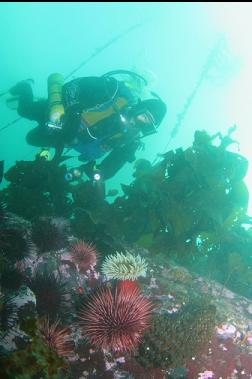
<point>54,126</point>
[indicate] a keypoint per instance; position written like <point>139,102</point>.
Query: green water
<point>172,42</point>
<point>196,58</point>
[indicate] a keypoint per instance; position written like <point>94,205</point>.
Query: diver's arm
<point>117,159</point>
<point>58,152</point>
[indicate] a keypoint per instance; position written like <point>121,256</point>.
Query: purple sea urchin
<point>50,293</point>
<point>48,235</point>
<point>8,312</point>
<point>14,243</point>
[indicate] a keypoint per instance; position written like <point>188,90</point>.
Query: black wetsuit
<point>78,95</point>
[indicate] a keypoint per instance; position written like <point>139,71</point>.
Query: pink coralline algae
<point>206,375</point>
<point>224,359</point>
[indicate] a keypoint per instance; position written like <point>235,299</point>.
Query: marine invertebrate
<point>115,318</point>
<point>124,266</point>
<point>8,312</point>
<point>84,255</point>
<point>50,293</point>
<point>14,243</point>
<point>58,339</point>
<point>128,284</point>
<point>11,278</point>
<point>49,234</point>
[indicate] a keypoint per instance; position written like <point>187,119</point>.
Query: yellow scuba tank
<point>56,110</point>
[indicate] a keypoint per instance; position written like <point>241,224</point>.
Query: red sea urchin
<point>84,255</point>
<point>58,339</point>
<point>115,319</point>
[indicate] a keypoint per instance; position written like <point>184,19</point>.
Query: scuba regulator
<point>93,172</point>
<point>90,169</point>
<point>73,174</point>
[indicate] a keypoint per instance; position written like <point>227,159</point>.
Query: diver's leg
<point>40,137</point>
<point>27,107</point>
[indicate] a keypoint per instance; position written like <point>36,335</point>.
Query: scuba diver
<point>96,116</point>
